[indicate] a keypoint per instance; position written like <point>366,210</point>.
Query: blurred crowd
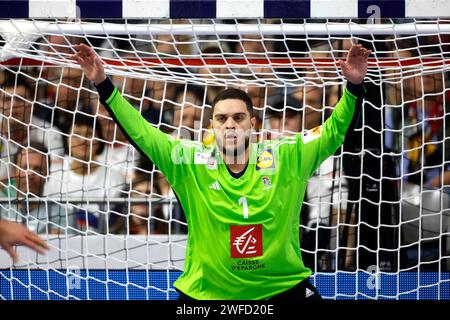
<point>66,168</point>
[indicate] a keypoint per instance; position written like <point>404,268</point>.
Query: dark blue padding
<point>152,284</point>
<point>388,9</point>
<point>193,9</point>
<point>99,9</point>
<point>14,9</point>
<point>287,8</point>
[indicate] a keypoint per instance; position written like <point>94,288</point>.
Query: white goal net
<point>376,218</point>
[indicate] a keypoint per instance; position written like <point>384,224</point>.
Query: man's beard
<point>238,152</point>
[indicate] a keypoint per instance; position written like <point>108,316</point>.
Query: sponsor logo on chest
<point>265,160</point>
<point>246,241</point>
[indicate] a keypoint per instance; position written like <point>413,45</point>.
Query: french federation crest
<point>266,182</point>
<point>212,163</point>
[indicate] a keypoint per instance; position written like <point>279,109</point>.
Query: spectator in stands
<point>212,72</point>
<point>80,175</point>
<point>2,77</point>
<point>187,111</point>
<point>156,104</point>
<point>66,93</point>
<point>254,46</point>
<point>186,120</point>
<point>319,97</point>
<point>117,154</point>
<point>426,145</point>
<point>144,215</point>
<point>262,96</point>
<point>158,93</point>
<point>119,159</point>
<point>285,118</point>
<point>28,176</point>
<point>19,124</point>
<point>173,45</point>
<point>133,87</point>
<point>16,106</point>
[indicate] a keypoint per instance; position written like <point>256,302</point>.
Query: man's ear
<point>253,121</point>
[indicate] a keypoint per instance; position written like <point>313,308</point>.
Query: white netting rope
<point>170,72</point>
<point>20,41</point>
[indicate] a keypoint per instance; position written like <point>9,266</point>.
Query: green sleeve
<point>317,144</point>
<point>167,153</point>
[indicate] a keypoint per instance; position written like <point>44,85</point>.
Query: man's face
<point>140,190</point>
<point>291,125</point>
<point>13,104</point>
<point>419,85</point>
<point>259,94</point>
<point>252,45</point>
<point>432,83</point>
<point>232,126</point>
<point>68,90</point>
<point>131,86</point>
<point>82,142</point>
<point>211,72</point>
<point>187,114</point>
<point>36,174</point>
<point>109,131</point>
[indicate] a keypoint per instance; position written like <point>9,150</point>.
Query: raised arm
<point>149,141</point>
<point>320,143</point>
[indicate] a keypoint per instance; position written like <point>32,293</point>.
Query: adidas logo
<point>215,186</point>
<point>309,293</point>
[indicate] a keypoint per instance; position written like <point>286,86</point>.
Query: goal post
<point>375,223</point>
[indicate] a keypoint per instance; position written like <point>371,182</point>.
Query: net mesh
<point>378,208</point>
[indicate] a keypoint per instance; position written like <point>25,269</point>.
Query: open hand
<point>354,68</point>
<point>90,62</point>
<point>12,233</point>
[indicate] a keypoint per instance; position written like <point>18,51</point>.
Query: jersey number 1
<point>243,201</point>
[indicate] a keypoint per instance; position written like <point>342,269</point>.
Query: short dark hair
<point>290,107</point>
<point>233,93</point>
<point>90,121</point>
<point>37,147</point>
<point>19,80</point>
<point>197,91</point>
<point>212,50</point>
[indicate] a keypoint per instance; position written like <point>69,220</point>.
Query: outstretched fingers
<point>33,245</point>
<point>342,64</point>
<point>84,49</point>
<point>78,59</point>
<point>84,52</point>
<point>362,51</point>
<point>354,50</point>
<point>358,52</point>
<point>11,252</point>
<point>37,240</point>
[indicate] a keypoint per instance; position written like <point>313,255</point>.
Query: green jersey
<point>243,233</point>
